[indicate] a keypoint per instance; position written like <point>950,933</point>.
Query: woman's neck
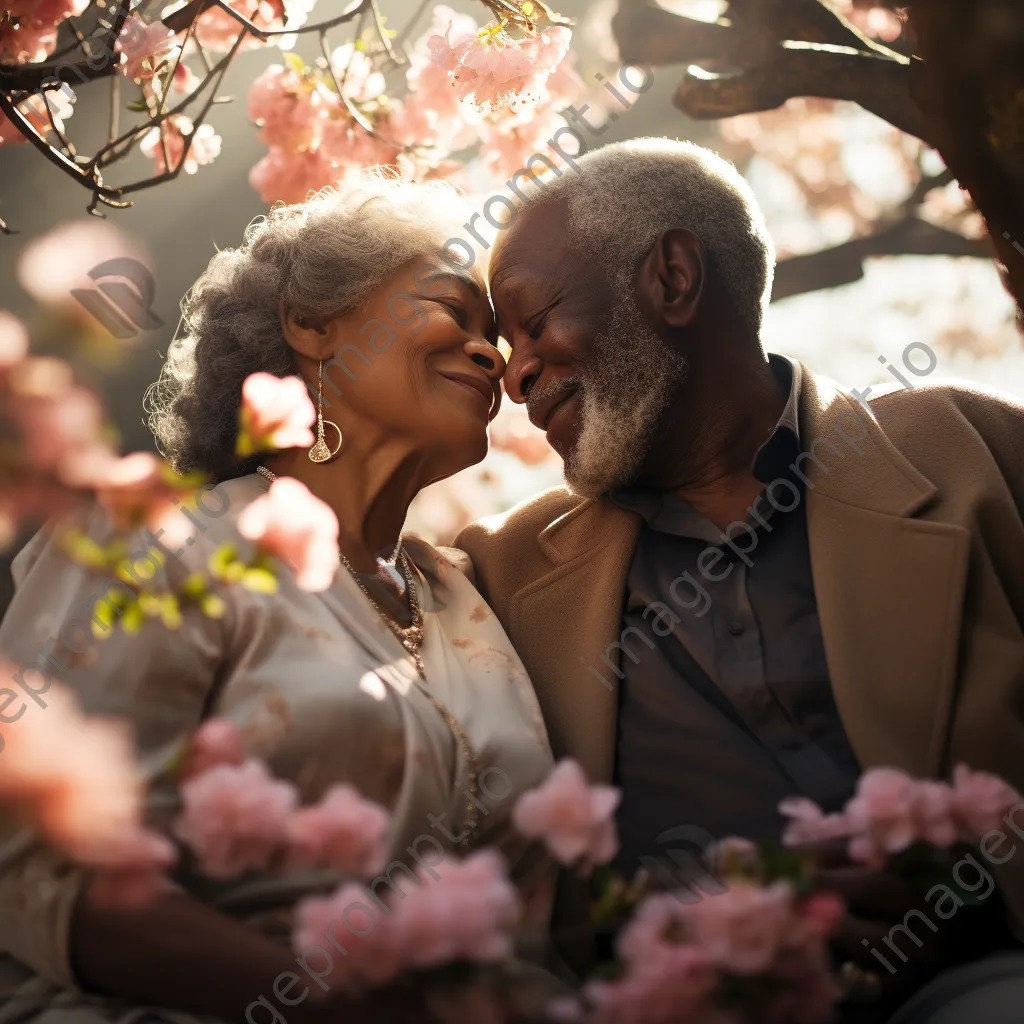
<point>369,487</point>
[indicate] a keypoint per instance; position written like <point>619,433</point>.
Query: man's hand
<point>894,935</point>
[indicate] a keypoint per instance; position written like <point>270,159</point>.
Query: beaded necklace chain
<point>411,638</point>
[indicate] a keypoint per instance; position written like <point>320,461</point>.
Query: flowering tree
<point>374,99</point>
<point>947,73</point>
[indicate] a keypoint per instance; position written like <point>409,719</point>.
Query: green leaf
<point>213,606</point>
<point>261,581</point>
<point>170,611</point>
<point>132,620</point>
<point>360,45</point>
<point>195,586</point>
<point>138,106</point>
<point>222,559</point>
<point>83,549</point>
<point>295,62</point>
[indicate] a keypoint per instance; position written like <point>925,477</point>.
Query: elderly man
<point>756,584</point>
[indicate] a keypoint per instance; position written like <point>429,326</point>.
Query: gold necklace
<point>411,638</point>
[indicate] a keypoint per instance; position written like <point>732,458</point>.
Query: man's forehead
<point>537,237</point>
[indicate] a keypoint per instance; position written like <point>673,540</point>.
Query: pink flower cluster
<point>217,30</point>
<point>463,911</point>
<point>575,820</point>
<point>29,32</point>
<point>74,778</point>
<point>677,956</point>
<point>143,49</point>
<point>312,137</point>
<point>165,144</point>
<point>492,68</point>
<point>465,85</point>
<point>890,811</point>
<point>290,523</point>
<point>276,412</point>
<point>236,817</point>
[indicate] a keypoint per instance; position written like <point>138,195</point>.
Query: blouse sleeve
<point>159,679</point>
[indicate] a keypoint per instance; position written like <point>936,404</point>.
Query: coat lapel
<point>567,618</point>
<point>889,586</point>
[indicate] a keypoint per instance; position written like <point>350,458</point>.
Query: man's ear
<point>303,337</point>
<point>673,275</point>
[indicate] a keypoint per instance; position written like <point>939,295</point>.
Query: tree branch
<point>844,264</point>
<point>767,52</point>
<point>879,85</point>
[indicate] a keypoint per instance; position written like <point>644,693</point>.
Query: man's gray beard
<point>628,384</point>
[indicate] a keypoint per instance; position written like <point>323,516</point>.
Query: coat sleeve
<point>159,679</point>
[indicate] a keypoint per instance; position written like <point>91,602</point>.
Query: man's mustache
<point>555,388</point>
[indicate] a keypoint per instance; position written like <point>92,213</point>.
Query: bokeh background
<point>828,174</point>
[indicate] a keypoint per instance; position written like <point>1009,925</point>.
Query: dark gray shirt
<point>725,701</point>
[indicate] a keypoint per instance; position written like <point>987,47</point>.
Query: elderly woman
<point>398,680</point>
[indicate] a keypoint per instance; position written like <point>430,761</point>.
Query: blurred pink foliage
<point>891,810</point>
<point>235,818</point>
<point>292,524</point>
<point>573,818</point>
<point>459,911</point>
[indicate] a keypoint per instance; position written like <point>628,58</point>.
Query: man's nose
<point>523,370</point>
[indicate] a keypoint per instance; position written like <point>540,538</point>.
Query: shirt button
<point>736,628</point>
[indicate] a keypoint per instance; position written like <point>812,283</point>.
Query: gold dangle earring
<point>320,452</point>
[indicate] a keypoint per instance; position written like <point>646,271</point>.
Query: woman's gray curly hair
<point>323,257</point>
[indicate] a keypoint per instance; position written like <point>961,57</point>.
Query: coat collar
<point>889,589</point>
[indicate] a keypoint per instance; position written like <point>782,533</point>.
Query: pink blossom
<point>673,985</point>
<point>13,340</point>
<point>44,112</point>
<point>933,813</point>
<point>36,33</point>
<point>980,802</point>
<point>143,49</point>
<point>177,130</point>
<point>290,177</point>
<point>510,142</point>
<point>136,489</point>
<point>289,523</point>
<point>217,741</point>
<point>348,146</point>
<point>276,413</point>
<point>741,930</point>
<point>60,423</point>
<point>882,811</point>
<point>343,831</point>
<point>217,30</point>
<point>495,70</point>
<point>458,912</point>
<point>290,109</point>
<point>810,824</point>
<point>51,265</point>
<point>74,777</point>
<point>574,819</point>
<point>235,818</point>
<point>362,82</point>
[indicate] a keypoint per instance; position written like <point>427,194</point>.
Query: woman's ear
<point>673,275</point>
<point>307,339</point>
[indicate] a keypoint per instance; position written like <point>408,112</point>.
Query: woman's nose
<point>486,356</point>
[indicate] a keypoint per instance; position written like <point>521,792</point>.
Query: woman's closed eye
<point>457,311</point>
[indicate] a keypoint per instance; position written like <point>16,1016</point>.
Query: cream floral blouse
<point>321,690</point>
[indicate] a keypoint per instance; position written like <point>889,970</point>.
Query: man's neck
<point>726,422</point>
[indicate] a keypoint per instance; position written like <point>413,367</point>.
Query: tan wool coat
<point>914,517</point>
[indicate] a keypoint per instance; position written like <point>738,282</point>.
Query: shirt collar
<point>771,461</point>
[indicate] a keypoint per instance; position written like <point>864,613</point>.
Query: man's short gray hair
<point>322,258</point>
<point>627,193</point>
